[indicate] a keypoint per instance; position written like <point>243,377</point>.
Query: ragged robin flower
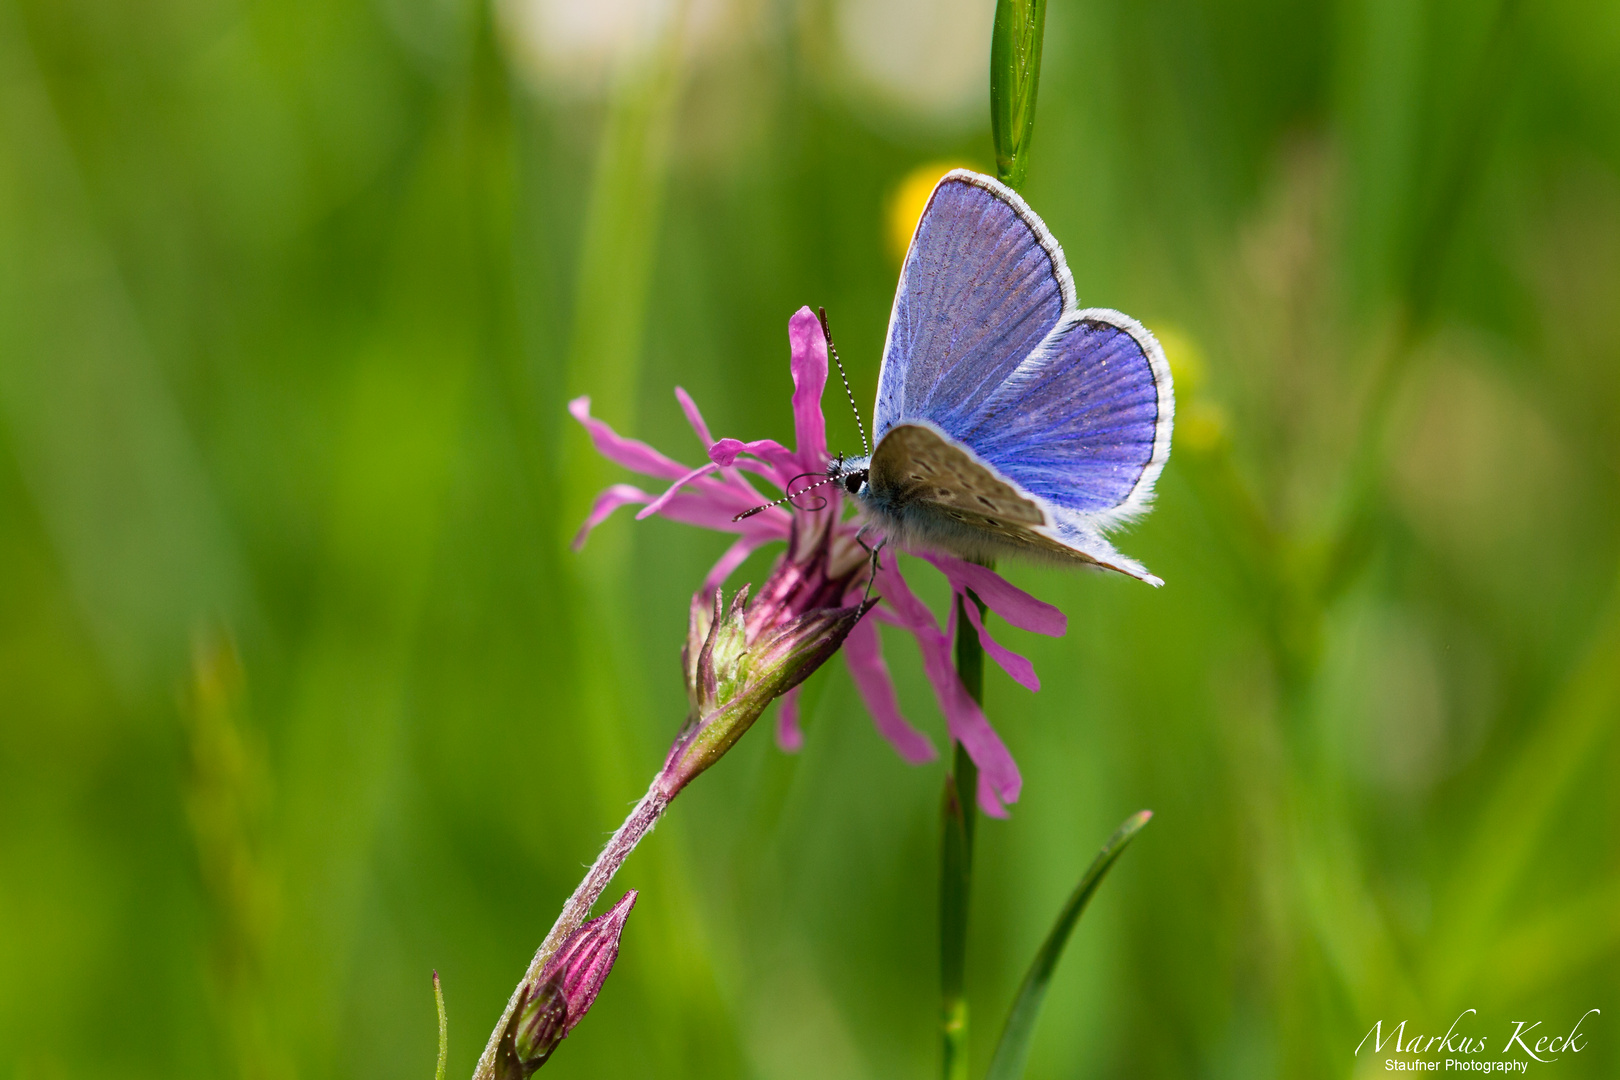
<point>827,555</point>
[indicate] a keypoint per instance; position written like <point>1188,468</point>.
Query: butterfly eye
<point>853,482</point>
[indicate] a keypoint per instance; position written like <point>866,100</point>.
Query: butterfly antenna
<point>790,496</point>
<point>826,332</point>
<point>761,508</point>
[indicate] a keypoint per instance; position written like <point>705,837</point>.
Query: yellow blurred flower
<point>1187,365</point>
<point>908,199</point>
<point>1200,425</point>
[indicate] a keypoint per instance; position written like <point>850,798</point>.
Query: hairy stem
<point>578,908</point>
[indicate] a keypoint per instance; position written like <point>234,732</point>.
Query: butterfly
<point>1009,421</point>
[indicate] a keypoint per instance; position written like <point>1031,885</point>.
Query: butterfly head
<point>850,473</point>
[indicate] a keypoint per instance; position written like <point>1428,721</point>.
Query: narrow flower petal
<point>758,468</point>
<point>863,655</point>
<point>809,364</point>
<point>962,714</point>
<point>734,556</point>
<point>999,779</point>
<point>693,417</point>
<point>789,736</point>
<point>884,615</point>
<point>669,494</point>
<point>1001,596</point>
<point>727,451</point>
<point>1022,671</point>
<point>610,500</point>
<point>989,800</point>
<point>631,453</point>
<point>701,429</point>
<point>710,509</point>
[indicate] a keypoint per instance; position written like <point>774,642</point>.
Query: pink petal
<point>1000,780</point>
<point>1001,596</point>
<point>663,500</point>
<point>988,800</point>
<point>733,474</point>
<point>758,468</point>
<point>734,557</point>
<point>701,429</point>
<point>863,654</point>
<point>610,500</point>
<point>711,509</point>
<point>908,611</point>
<point>726,451</point>
<point>693,417</point>
<point>630,453</point>
<point>1022,671</point>
<point>789,736</point>
<point>809,364</point>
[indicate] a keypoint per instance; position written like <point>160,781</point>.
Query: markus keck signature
<point>1464,1048</point>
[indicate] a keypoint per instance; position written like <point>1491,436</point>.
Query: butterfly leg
<point>871,576</point>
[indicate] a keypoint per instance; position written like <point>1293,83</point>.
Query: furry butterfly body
<point>1009,421</point>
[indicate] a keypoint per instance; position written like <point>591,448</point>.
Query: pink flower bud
<point>558,999</point>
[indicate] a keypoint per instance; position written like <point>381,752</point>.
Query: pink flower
<point>713,494</point>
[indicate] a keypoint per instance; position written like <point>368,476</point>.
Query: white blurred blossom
<point>926,57</point>
<point>575,46</point>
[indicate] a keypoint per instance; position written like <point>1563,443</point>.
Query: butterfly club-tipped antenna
<point>791,495</point>
<point>826,332</point>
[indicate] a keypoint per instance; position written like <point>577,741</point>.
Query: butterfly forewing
<point>983,283</point>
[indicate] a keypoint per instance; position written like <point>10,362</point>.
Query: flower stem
<point>956,864</point>
<point>578,908</point>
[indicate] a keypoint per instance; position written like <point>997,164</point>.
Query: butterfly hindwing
<point>1084,422</point>
<point>934,493</point>
<point>916,465</point>
<point>983,284</point>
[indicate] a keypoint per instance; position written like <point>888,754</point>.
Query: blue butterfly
<point>1008,421</point>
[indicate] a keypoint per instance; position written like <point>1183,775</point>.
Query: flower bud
<point>542,1021</point>
<point>559,997</point>
<point>738,660</point>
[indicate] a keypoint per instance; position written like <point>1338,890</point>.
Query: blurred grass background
<point>302,695</point>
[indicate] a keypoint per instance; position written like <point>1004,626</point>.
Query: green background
<point>302,694</point>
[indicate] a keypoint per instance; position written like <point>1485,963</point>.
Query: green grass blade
<point>1012,1052</point>
<point>444,1029</point>
<point>1015,75</point>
